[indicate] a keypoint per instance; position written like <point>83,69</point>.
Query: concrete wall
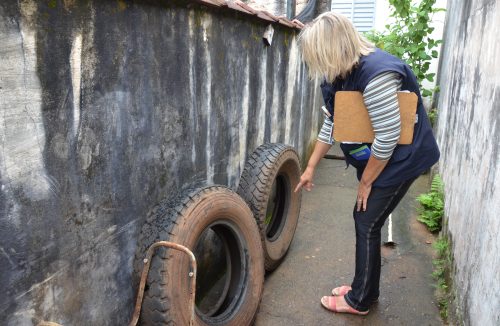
<point>469,136</point>
<point>106,107</point>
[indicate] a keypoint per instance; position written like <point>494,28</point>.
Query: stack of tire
<point>236,238</point>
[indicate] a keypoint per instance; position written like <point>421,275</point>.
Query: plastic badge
<point>362,153</point>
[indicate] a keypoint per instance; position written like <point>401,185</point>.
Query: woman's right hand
<point>306,180</point>
<point>320,149</point>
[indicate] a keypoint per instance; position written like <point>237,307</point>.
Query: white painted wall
<point>469,138</point>
<point>382,12</point>
<point>22,135</point>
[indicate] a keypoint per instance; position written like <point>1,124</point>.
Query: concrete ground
<point>321,257</point>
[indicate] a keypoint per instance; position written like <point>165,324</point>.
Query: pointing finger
<point>301,183</point>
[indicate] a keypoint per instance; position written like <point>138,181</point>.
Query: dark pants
<point>381,202</point>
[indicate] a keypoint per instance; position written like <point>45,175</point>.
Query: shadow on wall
<point>107,108</point>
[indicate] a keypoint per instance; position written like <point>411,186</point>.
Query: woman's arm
<point>322,146</point>
<point>320,149</point>
<point>381,100</point>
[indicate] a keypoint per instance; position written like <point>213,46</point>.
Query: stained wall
<point>469,137</point>
<point>106,108</point>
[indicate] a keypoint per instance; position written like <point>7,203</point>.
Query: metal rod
<point>144,275</point>
<point>334,157</point>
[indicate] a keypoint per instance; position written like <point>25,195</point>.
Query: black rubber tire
<point>183,220</point>
<point>273,164</point>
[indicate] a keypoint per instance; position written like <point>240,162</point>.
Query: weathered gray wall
<point>469,136</point>
<point>106,107</point>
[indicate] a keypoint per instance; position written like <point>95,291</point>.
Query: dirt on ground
<point>322,257</point>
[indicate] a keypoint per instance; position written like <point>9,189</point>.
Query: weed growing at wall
<point>442,269</point>
<point>433,114</point>
<point>409,36</point>
<point>432,211</point>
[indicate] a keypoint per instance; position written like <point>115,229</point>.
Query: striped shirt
<point>381,100</point>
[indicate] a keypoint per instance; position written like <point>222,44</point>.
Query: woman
<point>335,51</point>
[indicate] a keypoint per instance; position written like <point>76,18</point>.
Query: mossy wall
<point>106,108</point>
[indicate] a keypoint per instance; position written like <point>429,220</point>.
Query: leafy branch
<point>409,37</point>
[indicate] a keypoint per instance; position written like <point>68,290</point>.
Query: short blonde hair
<point>331,46</point>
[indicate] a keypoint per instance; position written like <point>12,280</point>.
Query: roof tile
<point>287,22</point>
<point>246,7</point>
<point>213,3</point>
<point>240,6</point>
<point>267,16</point>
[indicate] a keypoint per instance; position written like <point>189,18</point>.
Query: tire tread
<point>254,184</point>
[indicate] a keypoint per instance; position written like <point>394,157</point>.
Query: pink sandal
<point>330,303</point>
<point>341,290</point>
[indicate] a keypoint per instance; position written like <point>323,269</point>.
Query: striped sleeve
<point>325,134</point>
<point>381,100</point>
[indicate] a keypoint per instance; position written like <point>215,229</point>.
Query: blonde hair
<point>331,46</point>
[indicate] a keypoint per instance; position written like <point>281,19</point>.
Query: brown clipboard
<point>352,123</point>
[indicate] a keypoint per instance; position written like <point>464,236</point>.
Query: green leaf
<point>408,37</point>
<point>426,93</point>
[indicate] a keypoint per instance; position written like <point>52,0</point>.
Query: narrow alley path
<point>322,257</point>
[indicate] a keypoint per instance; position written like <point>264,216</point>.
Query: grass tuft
<point>442,275</point>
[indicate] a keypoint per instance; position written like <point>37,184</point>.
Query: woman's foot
<point>341,290</point>
<point>338,304</point>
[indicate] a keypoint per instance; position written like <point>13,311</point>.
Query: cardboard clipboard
<point>352,123</point>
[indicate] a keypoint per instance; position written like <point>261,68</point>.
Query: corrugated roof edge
<point>246,9</point>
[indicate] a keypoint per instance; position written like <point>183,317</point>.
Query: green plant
<point>442,269</point>
<point>409,36</point>
<point>432,114</point>
<point>432,203</point>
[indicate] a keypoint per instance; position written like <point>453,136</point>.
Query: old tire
<point>229,287</point>
<point>267,184</point>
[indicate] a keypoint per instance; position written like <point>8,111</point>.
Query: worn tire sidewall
<point>286,166</point>
<point>289,168</point>
<point>211,208</point>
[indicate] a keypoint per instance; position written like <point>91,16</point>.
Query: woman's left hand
<point>364,190</point>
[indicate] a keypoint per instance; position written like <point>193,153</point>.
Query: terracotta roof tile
<point>287,22</point>
<point>246,9</point>
<point>213,3</point>
<point>239,7</point>
<point>267,16</point>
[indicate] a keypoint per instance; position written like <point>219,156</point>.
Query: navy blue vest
<point>407,161</point>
